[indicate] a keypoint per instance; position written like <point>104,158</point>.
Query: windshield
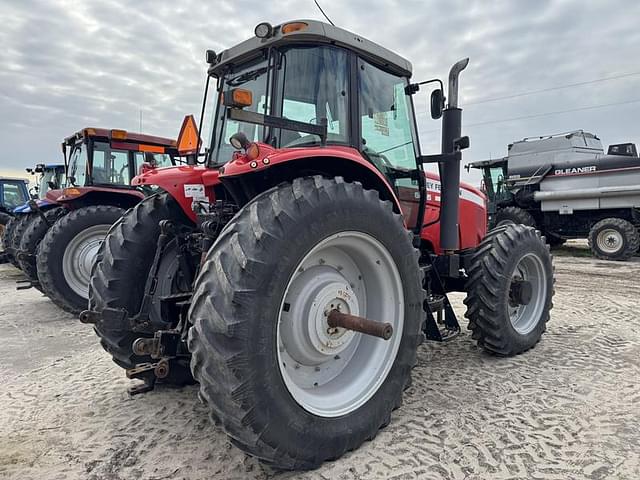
<point>249,77</point>
<point>78,165</point>
<point>311,86</point>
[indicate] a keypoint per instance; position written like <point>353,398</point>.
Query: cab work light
<point>238,97</point>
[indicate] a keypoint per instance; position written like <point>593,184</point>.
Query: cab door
<point>388,138</point>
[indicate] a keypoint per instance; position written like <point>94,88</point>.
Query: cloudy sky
<point>70,64</point>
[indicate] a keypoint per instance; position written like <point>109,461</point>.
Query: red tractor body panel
<point>183,183</point>
<point>472,220</point>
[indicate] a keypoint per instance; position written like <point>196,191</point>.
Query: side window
<point>313,86</point>
<point>385,118</point>
<point>110,166</point>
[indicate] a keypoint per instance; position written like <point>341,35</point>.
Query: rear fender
<point>246,178</point>
<point>183,183</point>
<point>78,197</point>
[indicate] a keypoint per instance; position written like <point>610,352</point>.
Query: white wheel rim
<point>79,256</point>
<point>332,372</point>
<point>524,318</point>
<point>610,240</point>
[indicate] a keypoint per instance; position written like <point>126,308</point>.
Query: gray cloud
<point>67,65</point>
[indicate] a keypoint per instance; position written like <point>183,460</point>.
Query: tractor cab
<point>308,89</point>
<point>51,177</point>
<point>101,157</point>
<point>493,184</point>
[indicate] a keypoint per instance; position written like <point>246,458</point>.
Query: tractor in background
<point>13,193</point>
<point>293,275</point>
<point>60,233</point>
<point>50,177</point>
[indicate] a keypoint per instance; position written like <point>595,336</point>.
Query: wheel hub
<point>306,335</point>
<point>609,240</point>
<point>520,293</point>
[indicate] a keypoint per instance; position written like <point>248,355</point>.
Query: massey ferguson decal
<point>433,193</point>
<point>574,170</point>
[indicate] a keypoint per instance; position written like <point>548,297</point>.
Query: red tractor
<point>61,233</point>
<point>297,272</point>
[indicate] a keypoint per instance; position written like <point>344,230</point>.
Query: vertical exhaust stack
<point>450,169</point>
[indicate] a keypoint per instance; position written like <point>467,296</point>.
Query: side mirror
<point>437,104</point>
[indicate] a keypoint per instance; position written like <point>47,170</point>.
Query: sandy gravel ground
<point>570,409</point>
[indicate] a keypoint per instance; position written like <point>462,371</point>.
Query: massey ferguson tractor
<point>296,272</point>
<point>57,241</point>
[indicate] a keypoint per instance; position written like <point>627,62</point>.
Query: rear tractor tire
<point>120,274</point>
<point>514,216</point>
<point>614,239</point>
<point>285,386</point>
<point>33,234</point>
<point>510,290</point>
<point>67,251</point>
<point>5,218</point>
<point>13,234</point>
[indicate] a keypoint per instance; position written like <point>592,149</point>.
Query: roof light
<point>294,27</point>
<point>210,56</point>
<point>118,134</point>
<point>263,30</point>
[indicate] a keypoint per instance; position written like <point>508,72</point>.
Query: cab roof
<point>119,135</point>
<point>315,32</point>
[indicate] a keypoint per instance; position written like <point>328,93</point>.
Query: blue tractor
<point>18,201</point>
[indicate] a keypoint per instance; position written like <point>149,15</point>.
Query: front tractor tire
<point>120,275</point>
<point>285,387</point>
<point>67,251</point>
<point>614,239</point>
<point>510,290</point>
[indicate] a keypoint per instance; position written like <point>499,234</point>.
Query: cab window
<point>313,87</point>
<point>110,166</point>
<point>385,118</point>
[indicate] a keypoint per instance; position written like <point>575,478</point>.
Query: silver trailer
<point>568,187</point>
